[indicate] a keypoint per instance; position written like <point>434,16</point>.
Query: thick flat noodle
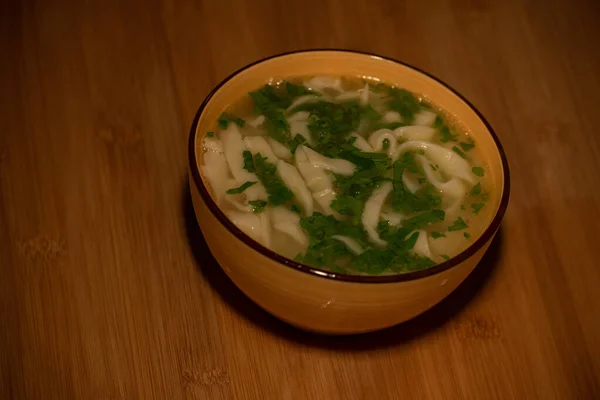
<point>258,145</point>
<point>317,180</point>
<point>450,162</point>
<point>300,127</point>
<point>299,116</point>
<point>361,143</point>
<point>324,199</point>
<point>212,145</point>
<point>350,243</point>
<point>216,170</point>
<point>248,223</point>
<point>425,118</point>
<point>393,217</point>
<point>288,222</point>
<point>293,180</point>
<point>256,122</point>
<point>422,245</point>
<point>346,96</point>
<point>335,165</point>
<point>391,117</point>
<point>320,83</point>
<point>280,149</point>
<point>233,147</point>
<point>453,188</point>
<point>414,132</point>
<point>306,99</point>
<point>410,182</point>
<point>364,95</point>
<point>373,206</point>
<point>377,138</point>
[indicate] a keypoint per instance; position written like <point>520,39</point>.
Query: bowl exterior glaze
<point>308,299</point>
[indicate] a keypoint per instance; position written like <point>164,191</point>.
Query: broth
<point>348,175</point>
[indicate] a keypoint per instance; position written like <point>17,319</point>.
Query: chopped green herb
<point>241,188</point>
<point>445,133</point>
<point>460,152</point>
<point>445,257</point>
<point>425,219</point>
<point>477,207</point>
<point>404,200</point>
<point>458,225</point>
<point>434,167</point>
<point>297,90</point>
<point>295,142</point>
<point>210,134</point>
<point>467,235</point>
<point>421,152</point>
<point>478,171</point>
<point>404,103</point>
<point>258,206</point>
<point>466,146</point>
<point>225,119</point>
<point>462,207</point>
<point>248,161</point>
<point>386,144</point>
<point>267,173</point>
<point>369,113</point>
<point>421,180</point>
<point>437,235</point>
<point>476,189</point>
<point>295,208</point>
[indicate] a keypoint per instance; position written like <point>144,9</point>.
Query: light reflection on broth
<point>349,175</point>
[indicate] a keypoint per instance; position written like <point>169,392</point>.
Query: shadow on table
<point>424,323</point>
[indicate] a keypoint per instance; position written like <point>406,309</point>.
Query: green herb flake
<point>267,173</point>
<point>467,235</point>
<point>462,207</point>
<point>478,171</point>
<point>248,161</point>
<point>210,134</point>
<point>295,142</point>
<point>404,103</point>
<point>477,207</point>
<point>226,118</point>
<point>458,225</point>
<point>425,219</point>
<point>466,146</point>
<point>460,152</point>
<point>445,257</point>
<point>295,208</point>
<point>437,235</point>
<point>445,134</point>
<point>258,206</point>
<point>476,190</point>
<point>241,188</point>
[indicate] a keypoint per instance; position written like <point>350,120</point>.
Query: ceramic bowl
<point>315,299</point>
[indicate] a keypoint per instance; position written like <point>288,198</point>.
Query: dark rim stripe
<point>467,253</point>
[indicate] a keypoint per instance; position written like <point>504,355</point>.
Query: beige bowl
<point>315,299</point>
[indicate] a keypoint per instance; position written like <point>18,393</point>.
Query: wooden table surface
<point>107,290</point>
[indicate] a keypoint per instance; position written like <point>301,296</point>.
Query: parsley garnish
<point>225,119</point>
<point>445,133</point>
<point>210,134</point>
<point>466,146</point>
<point>458,225</point>
<point>267,173</point>
<point>295,208</point>
<point>258,206</point>
<point>437,235</point>
<point>478,171</point>
<point>241,188</point>
<point>248,161</point>
<point>403,200</point>
<point>476,189</point>
<point>467,235</point>
<point>445,257</point>
<point>295,142</point>
<point>425,219</point>
<point>404,103</point>
<point>460,152</point>
<point>477,207</point>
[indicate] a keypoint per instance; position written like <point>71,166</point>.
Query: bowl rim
<point>488,233</point>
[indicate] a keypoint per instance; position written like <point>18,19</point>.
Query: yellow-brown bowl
<point>315,299</point>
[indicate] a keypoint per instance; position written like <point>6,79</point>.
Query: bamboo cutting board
<point>107,290</point>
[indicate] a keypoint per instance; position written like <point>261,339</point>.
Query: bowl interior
<point>352,64</point>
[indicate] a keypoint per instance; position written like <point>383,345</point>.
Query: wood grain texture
<point>107,290</point>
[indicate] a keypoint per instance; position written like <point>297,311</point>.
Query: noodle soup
<point>347,175</point>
